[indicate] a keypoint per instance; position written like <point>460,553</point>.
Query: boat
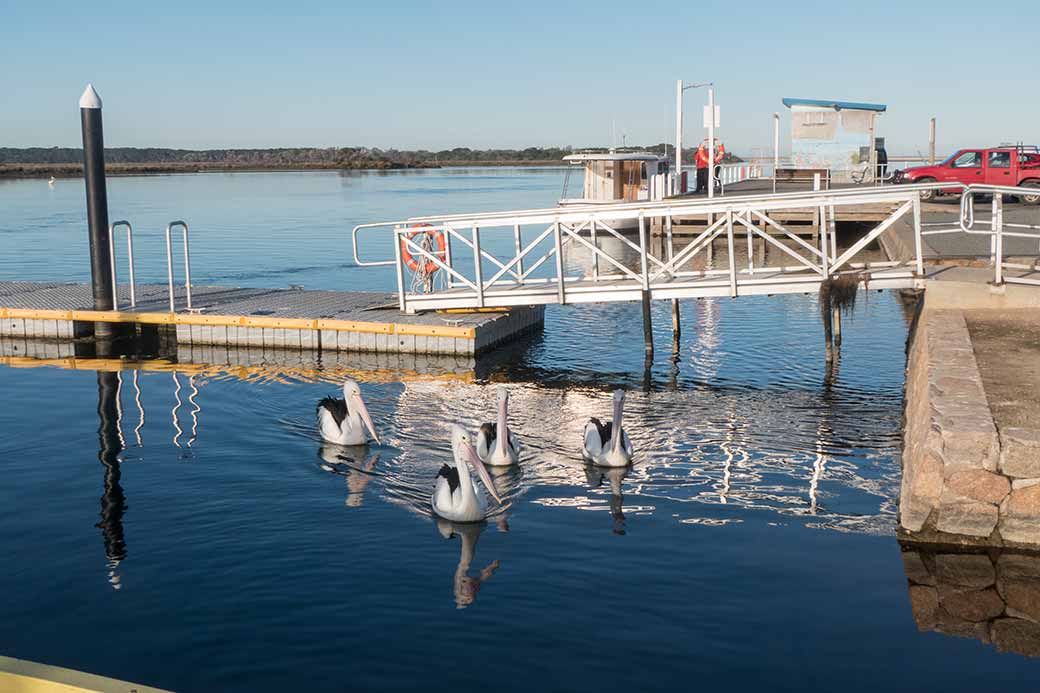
<point>617,176</point>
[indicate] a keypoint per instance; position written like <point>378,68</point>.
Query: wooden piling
<point>648,328</point>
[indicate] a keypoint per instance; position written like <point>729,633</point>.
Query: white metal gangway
<point>583,254</point>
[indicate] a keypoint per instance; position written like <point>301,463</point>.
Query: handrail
<point>169,263</point>
<point>631,210</point>
<point>608,275</point>
<point>130,258</point>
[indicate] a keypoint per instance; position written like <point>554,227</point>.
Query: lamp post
<point>679,89</point>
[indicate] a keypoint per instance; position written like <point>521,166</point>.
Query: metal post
<point>112,264</point>
<point>917,236</point>
<point>732,260</point>
<point>998,213</point>
<point>187,265</point>
<point>931,141</point>
<point>776,149</point>
<point>130,259</point>
<point>678,137</point>
<point>447,256</point>
<point>398,266</point>
<point>478,269</point>
<point>993,232</point>
<point>648,328</point>
<point>595,255</point>
<point>711,141</point>
<point>561,295</point>
<point>169,268</point>
<point>824,261</point>
<point>102,286</point>
<point>519,249</point>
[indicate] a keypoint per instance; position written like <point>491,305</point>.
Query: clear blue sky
<point>501,74</point>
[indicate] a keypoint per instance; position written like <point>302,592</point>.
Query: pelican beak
<point>482,471</point>
<point>366,417</point>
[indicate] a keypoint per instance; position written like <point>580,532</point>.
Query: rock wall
<point>963,482</point>
<point>990,596</point>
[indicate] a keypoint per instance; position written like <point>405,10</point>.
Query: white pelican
<point>51,181</point>
<point>608,445</point>
<point>496,444</point>
<point>455,496</point>
<point>340,420</point>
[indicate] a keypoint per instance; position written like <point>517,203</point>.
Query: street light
<point>679,89</point>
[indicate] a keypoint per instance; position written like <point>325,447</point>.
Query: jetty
<point>468,282</point>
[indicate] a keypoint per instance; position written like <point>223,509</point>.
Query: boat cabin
<point>618,177</point>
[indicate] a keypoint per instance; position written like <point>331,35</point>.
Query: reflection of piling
<point>113,502</point>
<point>97,205</point>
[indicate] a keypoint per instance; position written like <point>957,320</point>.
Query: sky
<point>436,75</point>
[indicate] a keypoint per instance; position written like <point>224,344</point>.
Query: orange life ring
<point>436,236</point>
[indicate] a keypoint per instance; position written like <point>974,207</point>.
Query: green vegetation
<point>67,161</point>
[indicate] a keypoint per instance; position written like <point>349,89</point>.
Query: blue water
<point>220,546</point>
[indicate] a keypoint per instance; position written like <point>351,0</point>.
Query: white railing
<point>524,257</point>
<point>996,227</point>
<point>618,266</point>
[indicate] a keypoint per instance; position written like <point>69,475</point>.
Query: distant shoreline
<point>15,171</point>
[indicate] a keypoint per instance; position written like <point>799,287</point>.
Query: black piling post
<point>648,327</point>
<point>676,325</point>
<point>97,206</point>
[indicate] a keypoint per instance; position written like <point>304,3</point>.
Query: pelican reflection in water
<point>595,475</point>
<point>464,585</point>
<point>355,463</point>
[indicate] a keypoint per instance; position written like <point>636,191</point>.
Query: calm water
<point>219,546</point>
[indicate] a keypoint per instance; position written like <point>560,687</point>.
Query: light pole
<point>679,89</point>
<point>776,147</point>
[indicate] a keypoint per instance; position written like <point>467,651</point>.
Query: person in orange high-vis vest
<point>702,162</point>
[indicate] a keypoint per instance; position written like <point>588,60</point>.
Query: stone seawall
<point>963,481</point>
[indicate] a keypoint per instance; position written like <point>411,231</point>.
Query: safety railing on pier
<point>997,228</point>
<point>592,254</point>
<point>132,285</point>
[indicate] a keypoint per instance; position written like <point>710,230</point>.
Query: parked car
<point>1014,166</point>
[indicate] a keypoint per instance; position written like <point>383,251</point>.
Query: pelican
<point>608,445</point>
<point>340,420</point>
<point>51,181</point>
<point>455,496</point>
<point>497,446</point>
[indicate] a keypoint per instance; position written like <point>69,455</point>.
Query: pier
<point>272,318</point>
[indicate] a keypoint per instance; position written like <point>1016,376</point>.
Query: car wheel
<point>927,195</point>
<point>1033,199</point>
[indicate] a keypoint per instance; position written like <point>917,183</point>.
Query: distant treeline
<point>68,161</point>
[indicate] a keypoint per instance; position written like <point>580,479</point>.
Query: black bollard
<point>97,205</point>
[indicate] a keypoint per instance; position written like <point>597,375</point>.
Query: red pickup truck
<point>1015,166</point>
